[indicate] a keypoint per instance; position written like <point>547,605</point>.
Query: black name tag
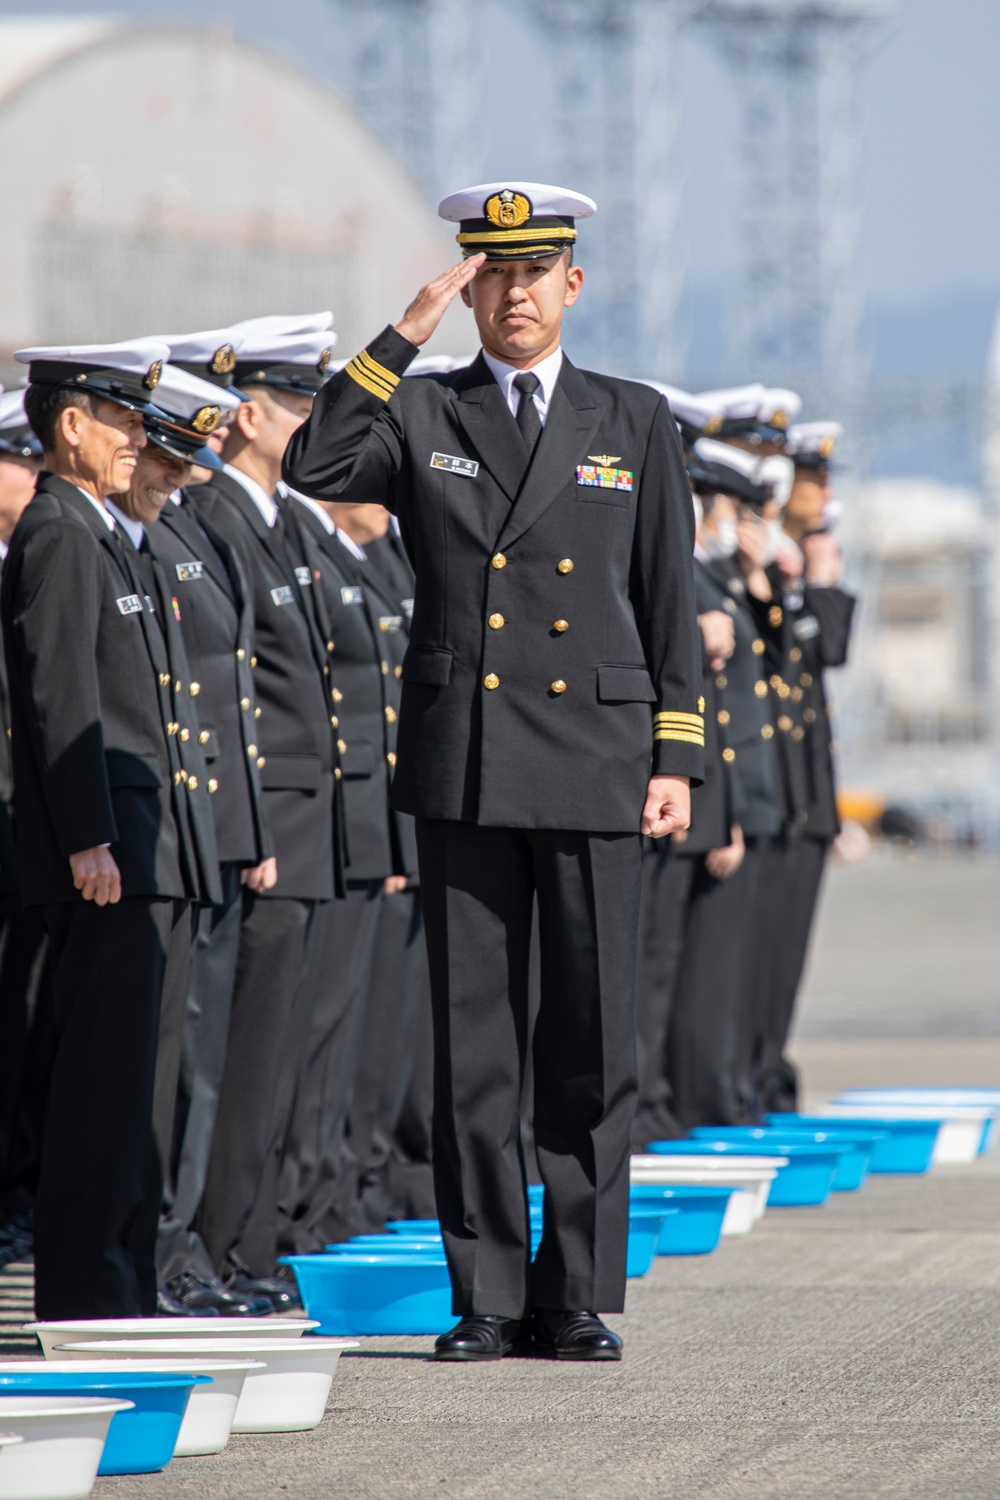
<point>453,465</point>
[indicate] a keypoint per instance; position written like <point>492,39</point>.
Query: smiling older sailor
<point>549,710</point>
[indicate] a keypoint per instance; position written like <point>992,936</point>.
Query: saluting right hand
<point>96,876</point>
<point>433,300</point>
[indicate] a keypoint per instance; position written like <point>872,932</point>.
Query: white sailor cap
<point>719,467</point>
<point>286,362</point>
<point>755,413</point>
<point>811,445</point>
<point>125,373</point>
<point>515,220</point>
<point>284,324</point>
<point>777,473</point>
<point>187,410</point>
<point>210,354</point>
<point>16,437</point>
<point>694,415</point>
<point>779,408</point>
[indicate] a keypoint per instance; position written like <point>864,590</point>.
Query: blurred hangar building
<point>171,177</point>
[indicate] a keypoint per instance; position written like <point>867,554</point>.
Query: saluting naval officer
<point>549,711</point>
<point>107,843</point>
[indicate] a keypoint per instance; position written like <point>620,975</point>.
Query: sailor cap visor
<point>187,410</point>
<point>16,438</point>
<point>512,221</point>
<point>286,362</point>
<point>126,373</point>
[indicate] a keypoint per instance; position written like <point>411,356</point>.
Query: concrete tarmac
<point>849,1352</point>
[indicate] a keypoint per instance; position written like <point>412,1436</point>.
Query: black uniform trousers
<point>410,1168</point>
<point>268,1023</point>
<point>214,952</point>
<point>790,884</point>
<point>705,1052</point>
<point>317,1184</point>
<point>478,886</point>
<point>666,885</point>
<point>26,1048</point>
<point>119,980</point>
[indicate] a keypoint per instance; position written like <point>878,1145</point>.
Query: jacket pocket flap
<point>427,665</point>
<point>297,772</point>
<point>624,685</point>
<point>358,759</point>
<point>126,768</point>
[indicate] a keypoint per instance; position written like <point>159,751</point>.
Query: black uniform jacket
<point>823,632</point>
<point>776,621</point>
<point>8,864</point>
<point>98,695</point>
<point>295,743</point>
<point>213,601</point>
<point>389,582</point>
<point>509,718</point>
<point>365,693</point>
<point>745,727</point>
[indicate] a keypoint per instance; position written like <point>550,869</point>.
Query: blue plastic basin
<point>852,1167</point>
<point>375,1294</point>
<point>904,1146</point>
<point>695,1225</point>
<point>645,1223</point>
<point>140,1441</point>
<point>806,1181</point>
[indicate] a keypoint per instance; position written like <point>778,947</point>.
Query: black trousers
<point>318,1180</point>
<point>478,887</point>
<point>203,1056</point>
<point>666,886</point>
<point>272,1002</point>
<point>792,875</point>
<point>704,1048</point>
<point>398,998</point>
<point>410,1167</point>
<point>27,1046</point>
<point>119,978</point>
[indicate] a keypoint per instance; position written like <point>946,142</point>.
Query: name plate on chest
<point>806,629</point>
<point>597,477</point>
<point>284,595</point>
<point>303,578</point>
<point>351,595</point>
<point>130,604</point>
<point>187,572</point>
<point>453,465</point>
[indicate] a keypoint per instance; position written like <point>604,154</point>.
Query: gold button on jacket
<point>560,625</point>
<point>498,560</point>
<point>565,565</point>
<point>496,622</point>
<point>491,681</point>
<point>558,686</point>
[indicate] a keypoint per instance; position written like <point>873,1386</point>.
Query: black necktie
<point>529,423</point>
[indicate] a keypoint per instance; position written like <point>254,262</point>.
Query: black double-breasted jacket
<point>364,627</point>
<point>212,599</point>
<point>100,693</point>
<point>553,660</point>
<point>294,746</point>
<point>822,631</point>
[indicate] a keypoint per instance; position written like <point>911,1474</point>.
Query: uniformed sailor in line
<point>206,595</point>
<point>549,714</point>
<point>295,748</point>
<point>210,355</point>
<point>22,931</point>
<point>106,840</point>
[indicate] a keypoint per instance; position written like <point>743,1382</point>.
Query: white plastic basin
<point>92,1329</point>
<point>288,1391</point>
<point>959,1138</point>
<point>208,1419</point>
<point>754,1180</point>
<point>63,1439</point>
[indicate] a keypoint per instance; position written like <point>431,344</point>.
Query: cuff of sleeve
<point>678,758</point>
<point>379,367</point>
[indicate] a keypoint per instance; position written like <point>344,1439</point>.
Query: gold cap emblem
<point>324,361</point>
<point>151,379</point>
<point>206,419</point>
<point>223,360</point>
<point>827,446</point>
<point>508,210</point>
<point>779,418</point>
<point>713,424</point>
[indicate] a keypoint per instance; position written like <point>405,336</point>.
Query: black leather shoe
<point>204,1298</point>
<point>573,1335</point>
<point>479,1337</point>
<point>172,1307</point>
<point>282,1297</point>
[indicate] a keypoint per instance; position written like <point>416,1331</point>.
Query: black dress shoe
<point>207,1297</point>
<point>282,1297</point>
<point>172,1307</point>
<point>573,1335</point>
<point>479,1337</point>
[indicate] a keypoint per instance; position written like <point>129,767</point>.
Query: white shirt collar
<point>102,510</point>
<point>351,545</point>
<point>134,530</point>
<point>317,511</point>
<point>547,371</point>
<point>700,553</point>
<point>3,550</point>
<point>177,497</point>
<point>259,496</point>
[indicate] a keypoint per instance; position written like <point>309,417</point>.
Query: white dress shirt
<point>259,496</point>
<point>547,371</point>
<point>102,510</point>
<point>134,530</point>
<point>351,545</point>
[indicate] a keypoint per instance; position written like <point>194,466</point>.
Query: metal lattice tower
<point>794,66</point>
<point>409,68</point>
<point>616,108</point>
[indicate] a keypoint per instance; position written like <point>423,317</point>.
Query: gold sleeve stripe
<point>696,721</point>
<point>372,376</point>
<point>687,738</point>
<point>376,371</point>
<point>358,375</point>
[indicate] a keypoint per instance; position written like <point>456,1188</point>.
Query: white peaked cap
<point>264,346</point>
<point>183,395</point>
<point>131,356</point>
<point>737,402</point>
<point>814,439</point>
<point>714,452</point>
<point>781,404</point>
<point>694,411</point>
<point>778,472</point>
<point>198,348</point>
<point>12,413</point>
<point>544,200</point>
<point>285,324</point>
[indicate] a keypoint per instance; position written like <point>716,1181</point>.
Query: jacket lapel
<point>186,525</point>
<point>572,419</point>
<point>271,542</point>
<point>490,428</point>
